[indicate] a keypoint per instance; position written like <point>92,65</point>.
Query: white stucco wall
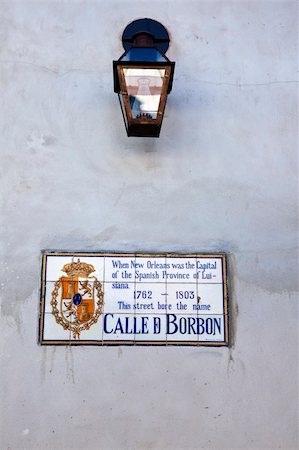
<point>222,177</point>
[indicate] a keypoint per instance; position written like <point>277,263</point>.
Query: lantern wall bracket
<point>149,27</point>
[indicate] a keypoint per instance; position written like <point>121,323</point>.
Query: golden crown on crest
<point>78,269</point>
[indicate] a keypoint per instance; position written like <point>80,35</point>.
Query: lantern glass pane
<point>123,109</point>
<point>144,87</point>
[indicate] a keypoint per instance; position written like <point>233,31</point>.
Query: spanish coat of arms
<point>77,299</point>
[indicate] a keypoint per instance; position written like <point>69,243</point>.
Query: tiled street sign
<point>133,299</point>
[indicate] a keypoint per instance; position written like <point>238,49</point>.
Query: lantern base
<point>143,130</point>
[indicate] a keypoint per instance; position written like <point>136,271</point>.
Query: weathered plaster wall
<point>222,176</point>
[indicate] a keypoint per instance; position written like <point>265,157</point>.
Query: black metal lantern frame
<point>143,77</point>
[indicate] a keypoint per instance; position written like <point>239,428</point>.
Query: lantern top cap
<point>144,54</point>
<point>155,31</point>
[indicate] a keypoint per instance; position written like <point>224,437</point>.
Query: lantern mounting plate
<point>151,27</point>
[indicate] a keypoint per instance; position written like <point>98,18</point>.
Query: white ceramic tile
<point>119,299</point>
<point>182,298</point>
<point>97,262</point>
<point>94,333</point>
<point>46,291</point>
<point>150,298</point>
<point>210,299</point>
<point>52,331</point>
<point>211,328</point>
<point>181,270</point>
<point>152,328</point>
<point>119,327</point>
<point>182,328</point>
<point>209,270</point>
<point>120,268</point>
<point>49,288</point>
<point>55,265</point>
<point>150,269</point>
